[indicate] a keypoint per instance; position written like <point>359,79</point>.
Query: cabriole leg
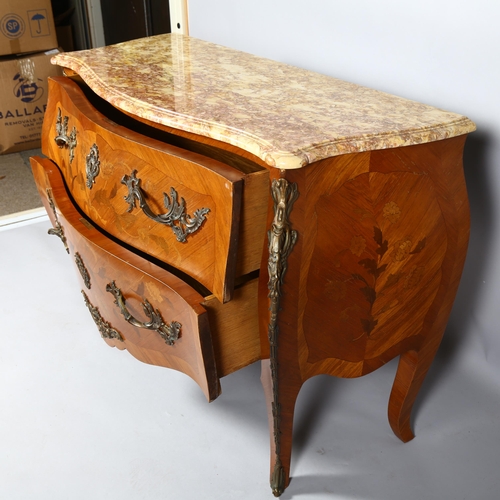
<point>412,369</point>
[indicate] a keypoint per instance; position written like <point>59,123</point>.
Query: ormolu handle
<point>57,230</point>
<point>182,224</point>
<point>62,139</point>
<point>169,333</point>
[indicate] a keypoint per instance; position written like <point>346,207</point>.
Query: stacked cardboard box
<point>27,42</point>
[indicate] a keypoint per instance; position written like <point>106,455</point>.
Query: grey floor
<point>80,421</point>
<point>18,192</point>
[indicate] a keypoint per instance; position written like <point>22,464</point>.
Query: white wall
<point>441,52</point>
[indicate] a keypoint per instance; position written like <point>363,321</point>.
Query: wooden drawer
<point>186,209</point>
<point>143,308</point>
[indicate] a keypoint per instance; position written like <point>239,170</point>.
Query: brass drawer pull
<point>63,140</point>
<point>182,224</point>
<point>169,333</point>
<point>58,229</point>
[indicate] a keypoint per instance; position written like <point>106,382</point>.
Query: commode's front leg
<point>280,410</point>
<point>280,373</point>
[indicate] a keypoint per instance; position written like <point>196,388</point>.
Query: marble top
<point>287,116</point>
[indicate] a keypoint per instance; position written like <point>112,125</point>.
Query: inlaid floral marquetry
<point>402,250</point>
<point>377,263</point>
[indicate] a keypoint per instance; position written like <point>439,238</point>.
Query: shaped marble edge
<point>304,118</point>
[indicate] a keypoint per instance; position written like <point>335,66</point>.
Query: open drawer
<point>143,308</point>
<point>196,213</point>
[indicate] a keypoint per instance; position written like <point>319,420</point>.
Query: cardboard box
<point>23,99</point>
<point>26,26</point>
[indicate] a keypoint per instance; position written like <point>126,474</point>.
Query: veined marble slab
<point>287,116</point>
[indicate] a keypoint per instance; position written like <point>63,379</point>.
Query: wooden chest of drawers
<point>226,209</point>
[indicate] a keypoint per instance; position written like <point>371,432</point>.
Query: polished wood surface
<point>382,238</point>
<point>205,321</point>
<point>209,255</point>
<point>364,269</point>
<point>235,329</point>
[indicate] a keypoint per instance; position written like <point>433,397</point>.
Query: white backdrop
<point>81,421</point>
<point>440,52</point>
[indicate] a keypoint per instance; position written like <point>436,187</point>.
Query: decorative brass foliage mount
<point>62,139</point>
<point>105,329</point>
<point>92,164</point>
<point>281,240</point>
<point>83,270</point>
<point>58,229</point>
<point>182,224</point>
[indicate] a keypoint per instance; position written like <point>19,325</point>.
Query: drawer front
<point>175,205</point>
<point>136,305</point>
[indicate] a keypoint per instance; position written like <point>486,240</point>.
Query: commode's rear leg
<point>412,369</point>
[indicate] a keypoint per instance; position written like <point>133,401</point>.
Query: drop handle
<point>57,230</point>
<point>176,217</point>
<point>168,332</point>
<point>62,139</point>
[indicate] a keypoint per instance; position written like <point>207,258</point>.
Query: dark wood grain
<point>382,238</point>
